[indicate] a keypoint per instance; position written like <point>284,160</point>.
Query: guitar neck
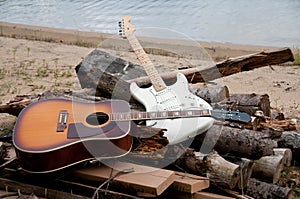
<point>145,61</point>
<point>159,115</point>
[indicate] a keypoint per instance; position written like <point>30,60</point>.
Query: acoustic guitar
<point>56,133</point>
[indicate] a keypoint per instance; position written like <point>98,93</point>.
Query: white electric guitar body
<point>159,97</point>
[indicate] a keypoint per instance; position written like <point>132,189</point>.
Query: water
<point>257,22</point>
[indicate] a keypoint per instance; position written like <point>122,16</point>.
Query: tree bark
<point>107,74</point>
<point>16,105</point>
<point>262,190</point>
<point>246,166</point>
<point>217,169</point>
<point>238,142</point>
<point>291,140</point>
<point>251,103</point>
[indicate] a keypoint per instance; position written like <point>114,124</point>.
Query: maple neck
<point>159,115</point>
<point>145,61</point>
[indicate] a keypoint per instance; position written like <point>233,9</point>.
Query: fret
<point>145,61</point>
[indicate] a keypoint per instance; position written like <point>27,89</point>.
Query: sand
<point>28,66</point>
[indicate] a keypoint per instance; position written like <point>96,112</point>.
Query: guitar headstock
<point>232,116</point>
<point>125,27</point>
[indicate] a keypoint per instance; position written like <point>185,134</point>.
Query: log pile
<point>228,159</point>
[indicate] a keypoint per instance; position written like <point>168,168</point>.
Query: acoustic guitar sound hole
<point>97,118</point>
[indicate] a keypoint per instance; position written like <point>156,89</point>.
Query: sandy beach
<point>36,59</point>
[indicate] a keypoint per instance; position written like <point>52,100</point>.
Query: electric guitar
<point>56,133</point>
<point>160,97</point>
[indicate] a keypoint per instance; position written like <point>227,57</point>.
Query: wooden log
<point>238,142</point>
<point>262,190</point>
<point>212,94</point>
<point>16,105</point>
<point>228,67</point>
<point>291,140</point>
<point>2,152</point>
<point>246,166</point>
<point>143,178</point>
<point>7,123</point>
<point>268,168</point>
<point>106,74</point>
<point>217,169</point>
<point>251,103</point>
<point>286,154</point>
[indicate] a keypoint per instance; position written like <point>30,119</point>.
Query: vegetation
<point>297,59</point>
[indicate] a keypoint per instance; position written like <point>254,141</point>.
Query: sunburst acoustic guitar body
<point>53,134</point>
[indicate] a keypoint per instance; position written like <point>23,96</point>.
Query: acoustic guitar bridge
<point>62,121</point>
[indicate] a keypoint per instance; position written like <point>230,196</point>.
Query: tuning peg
<point>120,24</point>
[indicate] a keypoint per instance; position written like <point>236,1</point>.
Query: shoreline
<point>217,50</point>
<point>34,59</point>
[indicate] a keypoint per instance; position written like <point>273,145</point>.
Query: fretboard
<point>145,61</point>
<point>126,116</point>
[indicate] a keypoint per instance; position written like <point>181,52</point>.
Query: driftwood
<point>111,76</point>
<point>262,190</point>
<point>291,140</point>
<point>238,142</point>
<point>216,168</point>
<point>228,67</point>
<point>16,105</point>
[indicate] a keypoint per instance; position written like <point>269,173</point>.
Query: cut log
<point>228,67</point>
<point>286,154</point>
<point>143,178</point>
<point>7,123</point>
<point>262,190</point>
<point>291,140</point>
<point>212,94</point>
<point>217,169</point>
<point>107,74</point>
<point>268,168</point>
<point>251,103</point>
<point>246,166</point>
<point>238,142</point>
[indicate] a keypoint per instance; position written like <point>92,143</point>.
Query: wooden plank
<point>189,183</point>
<point>23,188</point>
<point>207,195</point>
<point>144,179</point>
